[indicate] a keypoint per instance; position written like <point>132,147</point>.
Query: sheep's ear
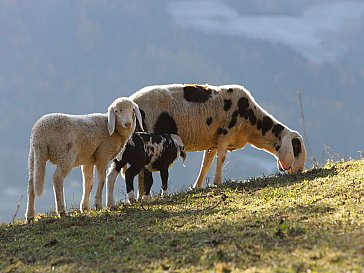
<point>296,144</point>
<point>138,116</point>
<point>110,120</point>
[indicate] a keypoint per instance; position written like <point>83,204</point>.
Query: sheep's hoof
<point>29,220</point>
<point>63,214</point>
<point>112,208</point>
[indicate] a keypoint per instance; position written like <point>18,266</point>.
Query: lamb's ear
<point>138,116</point>
<point>110,120</point>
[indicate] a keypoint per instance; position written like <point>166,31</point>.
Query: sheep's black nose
<point>127,124</point>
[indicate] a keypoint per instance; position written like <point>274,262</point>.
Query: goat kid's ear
<point>110,120</point>
<point>183,155</point>
<point>138,116</point>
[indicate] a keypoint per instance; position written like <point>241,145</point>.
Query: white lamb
<point>217,119</point>
<point>69,141</point>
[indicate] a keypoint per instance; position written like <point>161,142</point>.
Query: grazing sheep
<point>217,119</point>
<point>151,151</point>
<point>70,141</point>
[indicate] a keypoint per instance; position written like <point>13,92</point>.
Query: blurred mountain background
<point>78,56</point>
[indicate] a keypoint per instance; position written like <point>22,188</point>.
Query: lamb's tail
<point>39,164</point>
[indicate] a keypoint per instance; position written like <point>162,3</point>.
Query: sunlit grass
<point>299,223</point>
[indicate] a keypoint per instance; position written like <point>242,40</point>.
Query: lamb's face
<point>291,153</point>
<point>122,112</point>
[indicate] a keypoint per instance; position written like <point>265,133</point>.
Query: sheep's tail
<point>39,165</point>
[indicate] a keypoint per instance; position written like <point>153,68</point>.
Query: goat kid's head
<point>181,147</point>
<point>291,153</point>
<point>123,112</point>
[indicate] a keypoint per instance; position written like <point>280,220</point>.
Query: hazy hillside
<point>77,56</point>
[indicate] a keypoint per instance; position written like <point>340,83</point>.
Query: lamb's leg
<point>164,177</point>
<point>101,173</point>
<point>148,183</point>
<point>88,181</point>
<point>221,155</point>
<point>208,157</point>
<point>58,179</point>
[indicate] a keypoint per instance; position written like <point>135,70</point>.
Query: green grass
<point>312,222</point>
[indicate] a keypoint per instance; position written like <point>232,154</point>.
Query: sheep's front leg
<point>88,181</point>
<point>208,157</point>
<point>58,181</point>
<point>141,188</point>
<point>101,173</point>
<point>221,155</point>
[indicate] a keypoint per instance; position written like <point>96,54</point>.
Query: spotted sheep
<point>217,119</point>
<point>153,152</point>
<point>69,141</point>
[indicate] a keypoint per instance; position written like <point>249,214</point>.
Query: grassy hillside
<point>313,222</point>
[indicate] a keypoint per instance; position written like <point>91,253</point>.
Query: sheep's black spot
<point>227,105</point>
<point>277,129</point>
<point>243,106</point>
<point>209,121</point>
<point>165,124</point>
<point>252,117</point>
<point>230,90</point>
<point>277,147</point>
<point>138,129</point>
<point>296,143</point>
<point>196,93</point>
<point>259,124</point>
<point>222,131</point>
<point>234,119</point>
<point>267,124</point>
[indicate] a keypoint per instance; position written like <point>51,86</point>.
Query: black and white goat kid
<point>155,152</point>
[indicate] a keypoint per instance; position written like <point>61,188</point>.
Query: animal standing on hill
<point>154,152</point>
<point>73,140</point>
<point>217,119</point>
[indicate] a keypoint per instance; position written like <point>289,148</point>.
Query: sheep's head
<point>123,112</point>
<point>181,147</point>
<point>291,152</point>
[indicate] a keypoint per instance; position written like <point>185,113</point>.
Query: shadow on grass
<point>281,180</point>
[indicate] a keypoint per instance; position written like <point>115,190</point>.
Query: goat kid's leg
<point>130,173</point>
<point>164,177</point>
<point>148,182</point>
<point>87,183</point>
<point>58,180</point>
<point>208,157</point>
<point>101,173</point>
